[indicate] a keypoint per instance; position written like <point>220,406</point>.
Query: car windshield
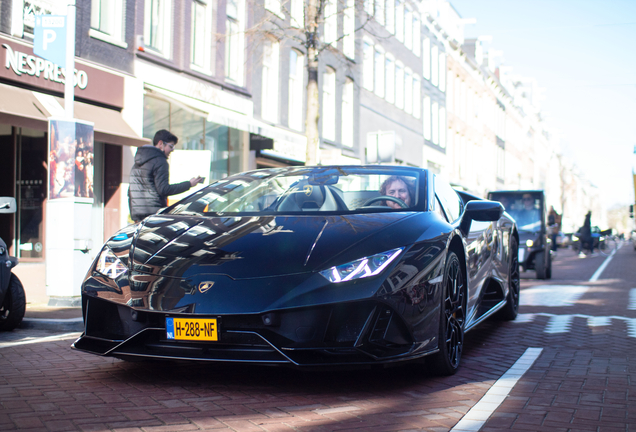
<point>524,207</point>
<point>338,190</point>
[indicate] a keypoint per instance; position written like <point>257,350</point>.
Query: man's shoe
<point>581,255</point>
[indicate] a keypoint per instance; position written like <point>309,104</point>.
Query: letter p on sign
<point>49,38</point>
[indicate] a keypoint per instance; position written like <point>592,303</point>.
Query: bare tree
<point>308,34</point>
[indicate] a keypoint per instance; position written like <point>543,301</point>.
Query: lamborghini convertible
<point>306,266</point>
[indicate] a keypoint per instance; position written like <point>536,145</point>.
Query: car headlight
<point>529,243</point>
<point>361,268</point>
<point>109,265</point>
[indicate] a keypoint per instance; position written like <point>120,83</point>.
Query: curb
<point>72,324</point>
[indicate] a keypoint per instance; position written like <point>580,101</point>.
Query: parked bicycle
<point>608,242</point>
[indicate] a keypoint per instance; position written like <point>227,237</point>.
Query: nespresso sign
<point>21,65</point>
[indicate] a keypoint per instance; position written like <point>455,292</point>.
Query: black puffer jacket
<point>150,183</point>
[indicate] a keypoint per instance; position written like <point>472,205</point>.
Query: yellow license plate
<point>198,329</point>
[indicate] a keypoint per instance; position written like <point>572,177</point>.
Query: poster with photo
<point>71,159</point>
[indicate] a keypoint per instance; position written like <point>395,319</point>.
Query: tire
<point>539,265</point>
<point>511,309</point>
<point>14,305</point>
<point>452,318</point>
<point>548,273</point>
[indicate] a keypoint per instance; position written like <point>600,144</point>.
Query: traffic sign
<point>49,40</point>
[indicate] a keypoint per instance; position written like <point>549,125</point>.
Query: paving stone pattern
<point>580,382</point>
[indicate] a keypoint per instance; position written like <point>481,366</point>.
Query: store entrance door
<point>7,182</point>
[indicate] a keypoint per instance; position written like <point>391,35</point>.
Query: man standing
<point>149,177</point>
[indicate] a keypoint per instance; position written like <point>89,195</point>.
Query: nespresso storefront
<point>31,91</point>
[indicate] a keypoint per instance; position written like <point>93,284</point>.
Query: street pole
<point>69,74</point>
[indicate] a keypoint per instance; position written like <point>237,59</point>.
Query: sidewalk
<point>40,316</point>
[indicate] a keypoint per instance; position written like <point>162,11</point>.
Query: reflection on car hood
<point>245,247</point>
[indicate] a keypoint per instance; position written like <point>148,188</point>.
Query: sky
<point>583,53</point>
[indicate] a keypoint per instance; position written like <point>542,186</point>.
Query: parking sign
<point>49,40</point>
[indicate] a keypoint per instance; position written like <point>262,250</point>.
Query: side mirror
<point>7,205</point>
<point>480,210</point>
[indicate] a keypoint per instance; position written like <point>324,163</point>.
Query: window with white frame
<point>417,97</point>
<point>379,71</point>
<point>297,12</point>
<point>331,21</point>
<point>349,29</point>
<point>417,34</point>
<point>379,11</point>
<point>435,121</point>
<point>234,41</point>
<point>426,114</point>
<point>201,42</point>
<point>368,6</point>
<point>157,25</point>
<point>296,85</point>
<point>442,71</point>
<point>347,113</point>
<point>274,6</point>
<point>399,85</point>
<point>107,21</point>
<point>329,105</point>
<point>426,58</point>
<point>367,64</point>
<point>269,75</point>
<point>390,78</point>
<point>442,127</point>
<point>408,27</point>
<point>434,65</point>
<point>408,90</point>
<point>399,20</point>
<point>390,16</point>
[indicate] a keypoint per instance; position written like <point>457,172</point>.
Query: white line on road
<point>42,339</point>
<point>598,271</point>
<point>478,414</point>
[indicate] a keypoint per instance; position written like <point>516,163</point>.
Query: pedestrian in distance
<point>585,235</point>
<point>149,177</point>
<point>554,226</point>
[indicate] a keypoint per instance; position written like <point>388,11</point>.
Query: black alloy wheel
<point>452,318</point>
<point>14,305</point>
<point>511,309</point>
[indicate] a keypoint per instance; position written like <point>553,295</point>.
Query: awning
<point>26,108</point>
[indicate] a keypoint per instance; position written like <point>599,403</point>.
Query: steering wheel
<point>385,198</point>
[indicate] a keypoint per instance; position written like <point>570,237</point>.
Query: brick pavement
<point>580,382</point>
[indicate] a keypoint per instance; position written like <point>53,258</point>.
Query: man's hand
<point>196,180</point>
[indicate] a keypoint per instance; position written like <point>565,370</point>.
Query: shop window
<point>195,133</point>
<point>31,191</point>
<point>157,26</point>
<point>107,21</point>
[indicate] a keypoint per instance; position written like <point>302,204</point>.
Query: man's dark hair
<point>165,136</point>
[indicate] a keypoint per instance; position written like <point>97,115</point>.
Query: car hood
<point>251,247</point>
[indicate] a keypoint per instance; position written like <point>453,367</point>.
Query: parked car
<point>528,209</point>
<point>306,266</point>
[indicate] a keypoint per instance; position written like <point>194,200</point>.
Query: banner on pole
<point>71,157</point>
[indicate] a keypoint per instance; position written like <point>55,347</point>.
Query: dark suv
<point>528,209</point>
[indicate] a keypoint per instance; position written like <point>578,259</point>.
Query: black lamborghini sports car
<point>306,266</point>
